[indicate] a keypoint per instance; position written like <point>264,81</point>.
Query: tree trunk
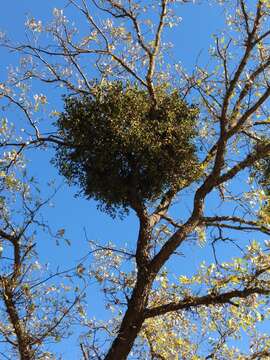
<point>24,347</point>
<point>135,315</point>
<point>132,321</point>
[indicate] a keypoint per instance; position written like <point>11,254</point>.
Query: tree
<point>36,307</point>
<point>125,46</point>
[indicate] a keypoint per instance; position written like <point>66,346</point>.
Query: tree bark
<point>133,319</point>
<point>24,347</point>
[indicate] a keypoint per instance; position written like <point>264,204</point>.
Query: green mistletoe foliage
<point>125,151</point>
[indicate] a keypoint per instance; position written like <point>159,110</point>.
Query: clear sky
<point>191,40</point>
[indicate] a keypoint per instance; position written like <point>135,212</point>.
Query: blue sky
<point>191,42</point>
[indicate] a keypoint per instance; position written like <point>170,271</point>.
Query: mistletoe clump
<point>124,150</point>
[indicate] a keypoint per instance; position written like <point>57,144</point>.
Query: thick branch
<point>206,300</point>
<point>248,161</point>
<point>218,221</point>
